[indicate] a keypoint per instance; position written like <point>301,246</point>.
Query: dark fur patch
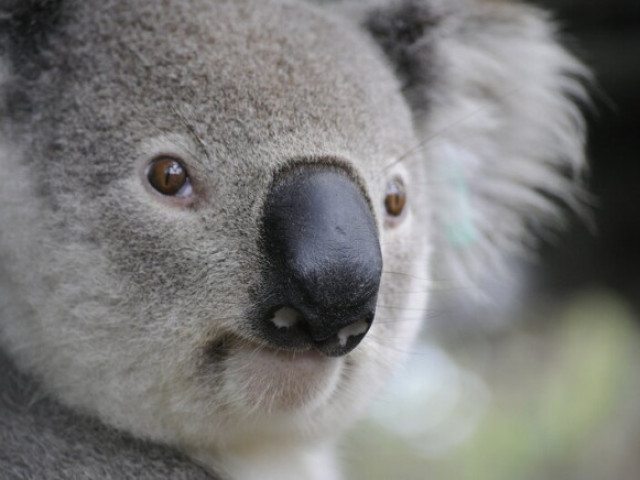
<point>216,352</point>
<point>29,22</point>
<point>402,31</point>
<point>25,30</point>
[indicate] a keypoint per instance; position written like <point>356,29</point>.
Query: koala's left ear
<point>495,101</point>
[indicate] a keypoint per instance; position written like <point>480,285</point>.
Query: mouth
<point>271,379</point>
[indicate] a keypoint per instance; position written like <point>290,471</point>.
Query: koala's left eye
<point>169,177</point>
<point>395,198</point>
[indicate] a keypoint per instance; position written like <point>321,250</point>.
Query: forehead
<point>255,71</point>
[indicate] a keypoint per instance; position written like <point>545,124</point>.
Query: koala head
<point>222,216</point>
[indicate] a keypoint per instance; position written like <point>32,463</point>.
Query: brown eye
<point>168,176</point>
<point>395,198</point>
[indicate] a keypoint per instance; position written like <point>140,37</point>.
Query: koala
<point>222,220</point>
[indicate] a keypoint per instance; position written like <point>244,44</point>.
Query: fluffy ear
<point>495,99</point>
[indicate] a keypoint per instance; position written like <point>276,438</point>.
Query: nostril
<point>290,329</point>
<point>286,317</point>
<point>345,339</point>
<point>354,330</point>
<point>285,327</point>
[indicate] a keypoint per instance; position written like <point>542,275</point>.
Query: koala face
<point>219,225</point>
<point>216,218</point>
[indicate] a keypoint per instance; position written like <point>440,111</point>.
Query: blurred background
<point>545,385</point>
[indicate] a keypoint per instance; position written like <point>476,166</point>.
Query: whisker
<point>425,141</point>
<point>403,274</point>
<point>407,309</point>
<point>393,321</point>
<point>394,348</point>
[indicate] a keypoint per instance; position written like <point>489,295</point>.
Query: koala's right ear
<point>496,101</point>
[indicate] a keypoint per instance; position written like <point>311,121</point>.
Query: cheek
<point>406,247</point>
<point>405,286</point>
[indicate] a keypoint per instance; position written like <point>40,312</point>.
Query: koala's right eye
<point>169,177</point>
<point>396,198</point>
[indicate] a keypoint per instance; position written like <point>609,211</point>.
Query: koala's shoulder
<point>43,439</point>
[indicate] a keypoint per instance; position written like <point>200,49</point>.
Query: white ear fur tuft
<point>504,135</point>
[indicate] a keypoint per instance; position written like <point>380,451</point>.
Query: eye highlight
<point>169,177</point>
<point>395,197</point>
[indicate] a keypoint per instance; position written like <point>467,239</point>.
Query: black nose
<point>324,262</point>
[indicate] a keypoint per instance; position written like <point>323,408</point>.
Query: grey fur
<point>41,439</point>
<point>134,309</point>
